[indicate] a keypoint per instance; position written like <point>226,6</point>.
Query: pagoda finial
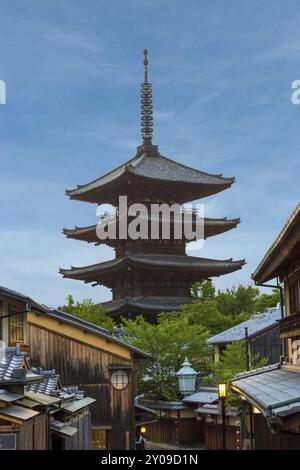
<point>146,105</point>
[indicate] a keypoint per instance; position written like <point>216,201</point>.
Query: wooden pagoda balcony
<point>290,326</point>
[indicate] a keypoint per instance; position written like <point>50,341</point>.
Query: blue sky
<point>221,73</point>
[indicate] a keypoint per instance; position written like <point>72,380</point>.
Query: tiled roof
<point>211,227</point>
<point>275,390</point>
<point>32,304</point>
<point>212,409</point>
<point>11,365</point>
<point>257,324</point>
<point>163,405</point>
<point>207,267</point>
<point>48,384</point>
<point>156,168</point>
<point>203,395</point>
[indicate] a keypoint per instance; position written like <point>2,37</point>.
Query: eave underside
<point>146,304</point>
<point>284,251</point>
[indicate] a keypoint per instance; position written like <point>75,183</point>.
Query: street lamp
<point>186,377</point>
<point>222,392</point>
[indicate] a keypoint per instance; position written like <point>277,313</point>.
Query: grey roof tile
<point>256,324</point>
<point>276,390</point>
<point>203,395</point>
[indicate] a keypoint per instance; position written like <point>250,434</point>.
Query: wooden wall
<point>213,437</point>
<point>33,434</point>
<point>175,432</point>
<point>88,367</point>
<point>267,344</point>
<point>265,440</point>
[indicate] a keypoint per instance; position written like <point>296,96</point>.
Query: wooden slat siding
<point>25,436</point>
<point>88,367</point>
<point>163,431</point>
<point>190,431</point>
<point>40,432</point>
<point>264,440</point>
<point>213,436</point>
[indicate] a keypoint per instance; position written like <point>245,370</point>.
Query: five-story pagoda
<point>150,275</point>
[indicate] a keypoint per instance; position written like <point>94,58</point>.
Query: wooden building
<point>84,355</point>
<point>273,392</point>
<point>176,424</point>
<point>194,422</point>
<point>34,414</point>
<point>150,274</point>
<point>262,336</point>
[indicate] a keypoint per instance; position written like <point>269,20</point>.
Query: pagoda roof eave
<point>154,169</point>
<point>203,266</point>
<point>146,303</point>
<point>211,227</point>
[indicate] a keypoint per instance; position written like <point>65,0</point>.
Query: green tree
<point>89,311</point>
<point>238,300</point>
<point>169,341</point>
<point>233,361</point>
<point>203,290</point>
<point>207,314</point>
<point>265,301</point>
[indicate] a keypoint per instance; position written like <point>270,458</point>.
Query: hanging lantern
<point>186,377</point>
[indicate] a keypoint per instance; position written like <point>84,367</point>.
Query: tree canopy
<point>169,341</point>
<point>89,311</point>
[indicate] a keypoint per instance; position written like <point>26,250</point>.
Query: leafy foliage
<point>89,311</point>
<point>169,341</point>
<point>232,361</point>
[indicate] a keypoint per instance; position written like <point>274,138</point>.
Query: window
<point>119,379</point>
<point>294,297</point>
<point>16,324</point>
<point>99,439</point>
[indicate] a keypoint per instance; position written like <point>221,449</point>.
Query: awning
<point>274,390</point>
<point>27,403</point>
<point>15,412</point>
<point>8,397</point>
<point>63,429</point>
<point>76,405</point>
<point>42,398</point>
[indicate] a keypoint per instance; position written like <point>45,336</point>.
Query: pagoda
<point>153,275</point>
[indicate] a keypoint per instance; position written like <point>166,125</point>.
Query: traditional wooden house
<point>83,354</point>
<point>273,392</point>
<point>21,428</point>
<point>150,274</point>
<point>262,331</point>
<point>34,413</point>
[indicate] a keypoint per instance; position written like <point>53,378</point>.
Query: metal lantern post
<point>186,377</point>
<point>222,392</point>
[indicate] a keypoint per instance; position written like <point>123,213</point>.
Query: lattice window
<point>16,326</point>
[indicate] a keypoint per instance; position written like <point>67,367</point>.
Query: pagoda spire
<point>146,105</point>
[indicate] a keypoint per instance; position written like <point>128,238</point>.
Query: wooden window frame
<point>16,327</point>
